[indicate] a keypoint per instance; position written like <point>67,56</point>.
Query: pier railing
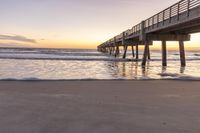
<point>175,13</point>
<point>175,23</point>
<point>172,14</point>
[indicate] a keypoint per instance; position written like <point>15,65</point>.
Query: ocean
<point>81,64</point>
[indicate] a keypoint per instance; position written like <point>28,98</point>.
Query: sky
<point>72,23</point>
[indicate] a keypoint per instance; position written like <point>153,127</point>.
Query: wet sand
<point>100,106</point>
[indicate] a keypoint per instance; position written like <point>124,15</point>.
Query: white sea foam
<point>182,78</point>
<point>75,64</point>
<point>177,76</point>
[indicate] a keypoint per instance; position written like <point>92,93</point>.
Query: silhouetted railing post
<point>157,20</point>
<point>188,8</point>
<point>170,14</point>
<point>142,34</point>
<point>163,19</point>
<point>152,22</point>
<point>178,11</point>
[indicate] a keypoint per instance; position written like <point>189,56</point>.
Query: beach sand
<point>155,106</point>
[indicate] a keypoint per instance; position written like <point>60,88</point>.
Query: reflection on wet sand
<point>164,69</point>
<point>182,70</point>
<point>128,70</point>
<point>134,70</point>
<point>145,70</point>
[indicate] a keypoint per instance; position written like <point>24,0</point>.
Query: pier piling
<point>133,51</point>
<point>137,51</point>
<point>117,51</point>
<point>164,53</point>
<point>145,54</point>
<point>125,51</point>
<point>149,54</point>
<point>182,53</point>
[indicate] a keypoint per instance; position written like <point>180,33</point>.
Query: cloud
<point>14,45</point>
<point>17,38</point>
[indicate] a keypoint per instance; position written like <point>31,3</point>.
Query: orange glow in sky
<point>74,23</point>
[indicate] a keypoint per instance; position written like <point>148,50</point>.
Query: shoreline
<point>111,106</point>
<point>188,79</point>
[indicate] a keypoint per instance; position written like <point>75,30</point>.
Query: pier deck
<point>175,23</point>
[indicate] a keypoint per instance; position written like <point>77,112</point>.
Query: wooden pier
<point>175,23</point>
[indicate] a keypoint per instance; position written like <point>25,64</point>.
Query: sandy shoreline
<point>100,106</point>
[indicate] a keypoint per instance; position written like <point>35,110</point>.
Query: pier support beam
<point>182,53</point>
<point>164,53</point>
<point>106,49</point>
<point>133,51</point>
<point>149,56</point>
<point>125,51</point>
<point>117,51</point>
<point>137,52</point>
<point>110,50</point>
<point>113,51</point>
<point>144,60</point>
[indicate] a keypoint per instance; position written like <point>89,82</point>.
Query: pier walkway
<point>175,23</point>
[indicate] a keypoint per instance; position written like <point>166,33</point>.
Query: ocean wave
<point>38,79</point>
<point>78,57</point>
<point>196,54</point>
<point>71,59</point>
<point>168,76</point>
<point>176,76</point>
<point>77,54</point>
<point>50,53</point>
